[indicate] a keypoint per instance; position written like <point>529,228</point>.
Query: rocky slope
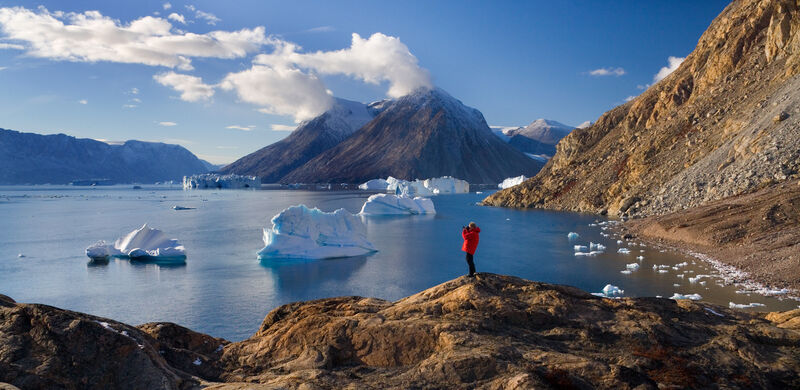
<point>311,138</point>
<point>539,137</point>
<point>426,134</point>
<point>490,332</point>
<point>756,232</point>
<point>726,122</point>
<point>28,158</point>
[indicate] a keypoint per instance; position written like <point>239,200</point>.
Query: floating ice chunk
<point>710,310</point>
<point>144,244</point>
<point>624,251</point>
<point>302,233</point>
<point>179,208</point>
<point>698,278</point>
<point>663,271</point>
<point>625,271</point>
<point>446,185</point>
<point>573,236</point>
<point>375,185</point>
<point>675,285</point>
<point>581,248</point>
<point>632,266</point>
<point>694,297</point>
<point>595,253</point>
<point>610,290</point>
<point>680,275</point>
<point>619,242</point>
<point>744,306</point>
<point>214,180</point>
<point>512,181</point>
<point>640,258</point>
<point>781,291</point>
<point>596,246</point>
<point>703,283</point>
<point>387,204</point>
<point>582,254</point>
<point>20,255</point>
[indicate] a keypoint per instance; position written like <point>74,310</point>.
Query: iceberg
<point>512,181</point>
<point>144,243</point>
<point>694,297</point>
<point>213,180</point>
<point>573,236</point>
<point>302,233</point>
<point>581,248</point>
<point>632,266</point>
<point>611,290</point>
<point>387,204</point>
<point>596,246</point>
<point>744,306</point>
<point>624,251</point>
<point>374,185</point>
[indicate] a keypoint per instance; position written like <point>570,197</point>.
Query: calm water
<point>224,291</point>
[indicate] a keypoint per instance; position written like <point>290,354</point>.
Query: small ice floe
<point>632,266</point>
<point>703,283</point>
<point>625,271</point>
<point>302,233</point>
<point>606,235</point>
<point>179,208</point>
<point>782,291</point>
<point>641,250</point>
<point>619,242</point>
<point>388,204</point>
<point>611,290</point>
<point>640,258</point>
<point>596,246</point>
<point>675,285</point>
<point>624,251</point>
<point>197,362</point>
<point>20,255</point>
<point>744,306</point>
<point>710,310</point>
<point>592,224</point>
<point>660,267</point>
<point>141,244</point>
<point>694,297</point>
<point>698,278</point>
<point>581,248</point>
<point>663,271</point>
<point>478,192</point>
<point>573,236</point>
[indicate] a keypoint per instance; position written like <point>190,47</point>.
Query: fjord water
<point>223,290</point>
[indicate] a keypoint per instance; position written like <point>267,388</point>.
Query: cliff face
<point>487,332</point>
<point>724,123</point>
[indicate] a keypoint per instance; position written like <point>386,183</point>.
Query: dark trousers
<point>471,264</point>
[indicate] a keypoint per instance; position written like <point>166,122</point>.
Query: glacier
<point>144,243</point>
<point>302,233</point>
<point>213,180</point>
<point>387,204</point>
<point>512,181</point>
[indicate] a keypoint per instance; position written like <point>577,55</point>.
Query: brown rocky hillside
<point>726,122</point>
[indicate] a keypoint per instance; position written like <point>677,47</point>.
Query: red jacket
<point>471,238</point>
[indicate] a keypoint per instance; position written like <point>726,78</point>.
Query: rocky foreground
<point>487,332</point>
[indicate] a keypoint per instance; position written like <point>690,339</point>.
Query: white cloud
<point>3,67</point>
<point>282,128</point>
<point>167,6</point>
<point>673,63</point>
<point>136,100</point>
<point>134,91</point>
<point>83,101</point>
<point>167,123</point>
<point>92,37</point>
<point>373,60</point>
<point>320,29</point>
<point>242,128</point>
<point>177,17</point>
<point>210,18</point>
<point>629,98</point>
<point>129,106</point>
<point>280,90</point>
<point>190,7</point>
<point>11,46</point>
<point>192,88</point>
<point>607,72</point>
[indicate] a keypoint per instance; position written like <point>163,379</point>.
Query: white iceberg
<point>144,243</point>
<point>213,180</point>
<point>573,236</point>
<point>744,306</point>
<point>624,251</point>
<point>374,185</point>
<point>512,181</point>
<point>632,266</point>
<point>581,248</point>
<point>387,204</point>
<point>611,290</point>
<point>625,271</point>
<point>694,297</point>
<point>302,233</point>
<point>596,246</point>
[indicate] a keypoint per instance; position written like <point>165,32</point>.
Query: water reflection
<point>303,277</point>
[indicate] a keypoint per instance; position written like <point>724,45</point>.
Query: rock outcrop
<point>491,332</point>
<point>726,122</point>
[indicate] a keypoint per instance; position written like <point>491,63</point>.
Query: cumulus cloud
<point>192,88</point>
<point>320,29</point>
<point>83,101</point>
<point>134,91</point>
<point>280,90</point>
<point>92,37</point>
<point>167,6</point>
<point>242,128</point>
<point>673,63</point>
<point>210,18</point>
<point>177,17</point>
<point>129,106</point>
<point>607,72</point>
<point>167,124</point>
<point>11,46</point>
<point>373,60</point>
<point>282,128</point>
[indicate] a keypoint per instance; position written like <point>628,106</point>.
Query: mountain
<point>29,158</point>
<point>725,122</point>
<point>425,134</point>
<point>539,137</point>
<point>311,138</point>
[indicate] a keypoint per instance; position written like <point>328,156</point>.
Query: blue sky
<point>219,96</point>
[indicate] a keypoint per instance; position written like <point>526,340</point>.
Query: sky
<point>224,79</point>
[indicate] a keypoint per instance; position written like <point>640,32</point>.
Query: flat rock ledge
<point>488,332</point>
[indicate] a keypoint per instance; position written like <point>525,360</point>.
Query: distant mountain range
<point>538,138</point>
<point>425,134</point>
<point>29,158</point>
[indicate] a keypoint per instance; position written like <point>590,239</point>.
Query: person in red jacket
<point>471,235</point>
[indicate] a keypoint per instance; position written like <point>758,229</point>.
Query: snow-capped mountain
<point>310,139</point>
<point>28,158</point>
<point>538,138</point>
<point>425,134</point>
